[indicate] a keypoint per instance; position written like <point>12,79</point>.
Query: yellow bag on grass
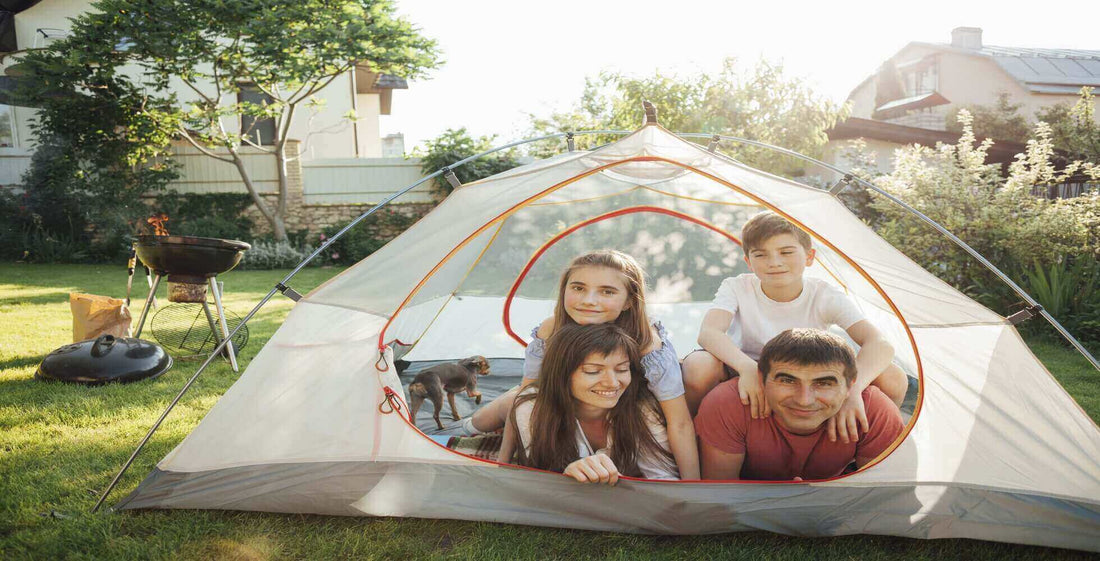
<point>95,315</point>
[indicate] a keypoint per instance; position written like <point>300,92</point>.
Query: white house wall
<point>48,14</point>
<point>369,108</point>
<point>362,180</point>
<point>333,136</point>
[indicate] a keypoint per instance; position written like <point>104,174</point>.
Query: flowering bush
<point>276,255</point>
<point>1027,237</point>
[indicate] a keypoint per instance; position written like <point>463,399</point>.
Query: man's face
<point>803,397</point>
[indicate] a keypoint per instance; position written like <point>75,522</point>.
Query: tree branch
<point>187,136</point>
<point>260,147</point>
<point>319,86</point>
<point>197,90</point>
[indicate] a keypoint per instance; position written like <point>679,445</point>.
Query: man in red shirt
<point>807,374</point>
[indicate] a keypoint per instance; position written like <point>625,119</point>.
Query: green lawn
<point>60,445</point>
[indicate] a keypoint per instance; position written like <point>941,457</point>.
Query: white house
<point>28,24</point>
<point>908,99</point>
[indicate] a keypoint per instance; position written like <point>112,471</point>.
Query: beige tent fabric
<point>997,449</point>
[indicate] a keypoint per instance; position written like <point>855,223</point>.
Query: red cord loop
<point>391,400</point>
<point>382,406</point>
<point>382,360</point>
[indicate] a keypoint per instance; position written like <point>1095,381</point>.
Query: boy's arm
<point>713,339</point>
<point>681,436</point>
<point>875,354</point>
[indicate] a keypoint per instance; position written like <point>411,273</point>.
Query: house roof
<point>900,106</point>
<point>1046,71</point>
<point>1040,70</point>
<point>390,82</point>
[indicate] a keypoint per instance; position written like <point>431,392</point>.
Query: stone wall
<point>314,218</point>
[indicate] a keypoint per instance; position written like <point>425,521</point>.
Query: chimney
<point>966,37</point>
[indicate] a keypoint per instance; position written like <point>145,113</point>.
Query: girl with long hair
<point>590,414</point>
<point>598,287</point>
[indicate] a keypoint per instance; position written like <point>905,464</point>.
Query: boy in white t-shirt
<point>750,309</point>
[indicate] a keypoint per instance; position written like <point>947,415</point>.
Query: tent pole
<point>973,253</point>
<point>390,198</point>
<point>187,386</point>
<point>283,288</point>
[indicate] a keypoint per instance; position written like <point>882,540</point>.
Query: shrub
<point>212,215</point>
<point>366,237</point>
<point>1050,248</point>
<point>276,255</point>
<point>40,246</point>
<point>1068,290</point>
<point>66,198</point>
<point>454,145</point>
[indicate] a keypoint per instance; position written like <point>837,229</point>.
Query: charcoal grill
<point>191,264</point>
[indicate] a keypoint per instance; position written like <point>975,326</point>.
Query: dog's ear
<point>483,365</point>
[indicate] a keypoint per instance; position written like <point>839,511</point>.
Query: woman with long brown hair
<point>599,287</point>
<point>590,415</point>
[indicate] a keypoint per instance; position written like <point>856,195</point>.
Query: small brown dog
<point>452,377</point>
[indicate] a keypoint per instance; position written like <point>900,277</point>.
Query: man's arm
<point>713,339</point>
<point>718,464</point>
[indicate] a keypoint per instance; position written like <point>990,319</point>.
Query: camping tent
<point>995,449</point>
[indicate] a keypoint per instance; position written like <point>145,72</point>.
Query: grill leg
<point>148,302</point>
<point>225,327</point>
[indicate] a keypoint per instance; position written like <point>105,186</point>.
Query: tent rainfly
<point>995,449</point>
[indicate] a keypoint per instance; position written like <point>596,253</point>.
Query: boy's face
<point>779,261</point>
<point>802,397</point>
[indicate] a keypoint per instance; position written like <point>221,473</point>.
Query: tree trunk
<point>275,219</point>
<point>280,164</point>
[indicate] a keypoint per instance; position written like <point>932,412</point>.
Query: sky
<point>505,60</point>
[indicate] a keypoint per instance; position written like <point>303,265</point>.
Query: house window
<point>922,79</point>
<point>260,131</point>
<point>7,126</point>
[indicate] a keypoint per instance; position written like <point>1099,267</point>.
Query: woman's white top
<point>651,468</point>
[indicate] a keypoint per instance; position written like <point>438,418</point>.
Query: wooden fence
<point>362,180</point>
